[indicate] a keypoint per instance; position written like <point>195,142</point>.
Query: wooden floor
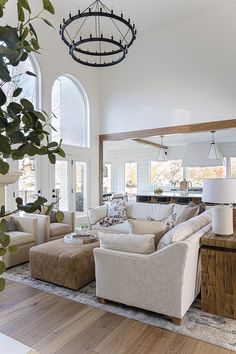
<point>51,324</point>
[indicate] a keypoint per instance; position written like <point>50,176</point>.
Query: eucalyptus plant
<point>23,129</point>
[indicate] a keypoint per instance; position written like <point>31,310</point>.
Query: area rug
<point>197,324</point>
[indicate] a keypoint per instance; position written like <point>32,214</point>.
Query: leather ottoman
<point>68,265</point>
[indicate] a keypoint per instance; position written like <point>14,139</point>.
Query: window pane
<point>107,178</point>
<point>233,167</point>
<point>81,187</point>
<point>27,181</point>
<point>61,184</point>
<point>167,173</point>
<point>69,108</point>
<point>197,174</point>
<point>131,179</point>
<point>20,79</point>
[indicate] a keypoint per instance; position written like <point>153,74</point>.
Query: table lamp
<point>221,191</point>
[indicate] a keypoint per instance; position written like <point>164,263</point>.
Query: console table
<point>218,274</point>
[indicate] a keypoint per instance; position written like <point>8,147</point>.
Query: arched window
<point>70,112</point>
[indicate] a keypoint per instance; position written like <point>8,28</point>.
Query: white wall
<point>54,61</point>
<point>178,75</point>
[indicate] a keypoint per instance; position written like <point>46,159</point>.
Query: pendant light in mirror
<point>213,152</point>
<point>162,154</point>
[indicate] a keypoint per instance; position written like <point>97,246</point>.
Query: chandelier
<point>97,36</point>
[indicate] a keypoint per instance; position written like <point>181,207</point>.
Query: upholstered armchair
<point>24,236</point>
<point>49,231</point>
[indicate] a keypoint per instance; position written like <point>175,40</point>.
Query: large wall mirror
<point>169,168</point>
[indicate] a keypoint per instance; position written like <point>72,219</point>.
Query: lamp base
<point>222,220</point>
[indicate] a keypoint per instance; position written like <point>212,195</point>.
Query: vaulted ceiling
<point>150,15</point>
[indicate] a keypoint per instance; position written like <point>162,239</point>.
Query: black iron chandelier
<point>97,36</point>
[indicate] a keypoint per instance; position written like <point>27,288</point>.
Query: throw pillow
<point>143,227</point>
<point>187,214</point>
<point>201,206</point>
<point>142,244</point>
<point>11,224</point>
<point>106,222</point>
<point>53,217</point>
<point>117,209</point>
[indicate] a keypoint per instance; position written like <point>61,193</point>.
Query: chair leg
<point>176,321</point>
<point>101,300</point>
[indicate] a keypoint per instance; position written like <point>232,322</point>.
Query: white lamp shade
<point>219,190</point>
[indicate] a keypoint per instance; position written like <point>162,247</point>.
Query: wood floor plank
<point>54,325</point>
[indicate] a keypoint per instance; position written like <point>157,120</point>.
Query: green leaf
<point>3,251</point>
<point>21,15</point>
<point>2,212</point>
<point>35,44</point>
<point>5,146</point>
<point>12,249</point>
<point>4,74</point>
<point>60,216</point>
<point>3,98</point>
<point>40,116</point>
<point>14,107</point>
<point>2,267</point>
<point>26,104</point>
<point>4,167</point>
<point>17,92</point>
<point>33,30</point>
<point>52,144</point>
<point>47,5</point>
<point>30,73</point>
<point>3,225</point>
<point>52,158</point>
<point>5,240</point>
<point>25,5</point>
<point>47,22</point>
<point>19,201</point>
<point>61,152</point>
<point>2,284</point>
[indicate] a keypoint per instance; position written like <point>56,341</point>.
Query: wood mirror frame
<point>140,134</point>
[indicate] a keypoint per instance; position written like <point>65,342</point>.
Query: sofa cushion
<point>142,227</point>
<point>97,214</point>
<point>188,213</point>
<point>122,228</point>
<point>57,228</point>
<point>182,231</point>
<point>147,210</point>
<point>19,238</point>
<point>142,244</point>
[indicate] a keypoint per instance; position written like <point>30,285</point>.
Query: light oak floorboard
<point>54,325</point>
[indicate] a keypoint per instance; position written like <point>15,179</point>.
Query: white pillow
<point>142,244</point>
<point>182,231</point>
<point>97,214</point>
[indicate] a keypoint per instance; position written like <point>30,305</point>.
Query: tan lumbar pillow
<point>188,213</point>
<point>142,227</point>
<point>143,244</point>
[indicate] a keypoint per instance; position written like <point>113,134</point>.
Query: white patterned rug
<point>197,324</point>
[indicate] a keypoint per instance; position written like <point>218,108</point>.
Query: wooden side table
<point>218,274</point>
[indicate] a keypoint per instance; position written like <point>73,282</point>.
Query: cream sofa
<point>25,237</point>
<point>165,282</point>
<point>134,211</point>
<point>53,231</point>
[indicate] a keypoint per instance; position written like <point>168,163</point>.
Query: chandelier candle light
<point>98,37</point>
<point>162,155</point>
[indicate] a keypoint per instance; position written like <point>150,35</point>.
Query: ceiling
<point>221,136</point>
<point>151,15</point>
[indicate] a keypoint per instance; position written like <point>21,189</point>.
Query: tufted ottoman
<point>68,265</point>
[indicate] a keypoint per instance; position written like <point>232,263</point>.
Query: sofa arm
<point>43,226</point>
<point>152,282</point>
<point>97,214</point>
<point>27,224</point>
<point>69,218</point>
